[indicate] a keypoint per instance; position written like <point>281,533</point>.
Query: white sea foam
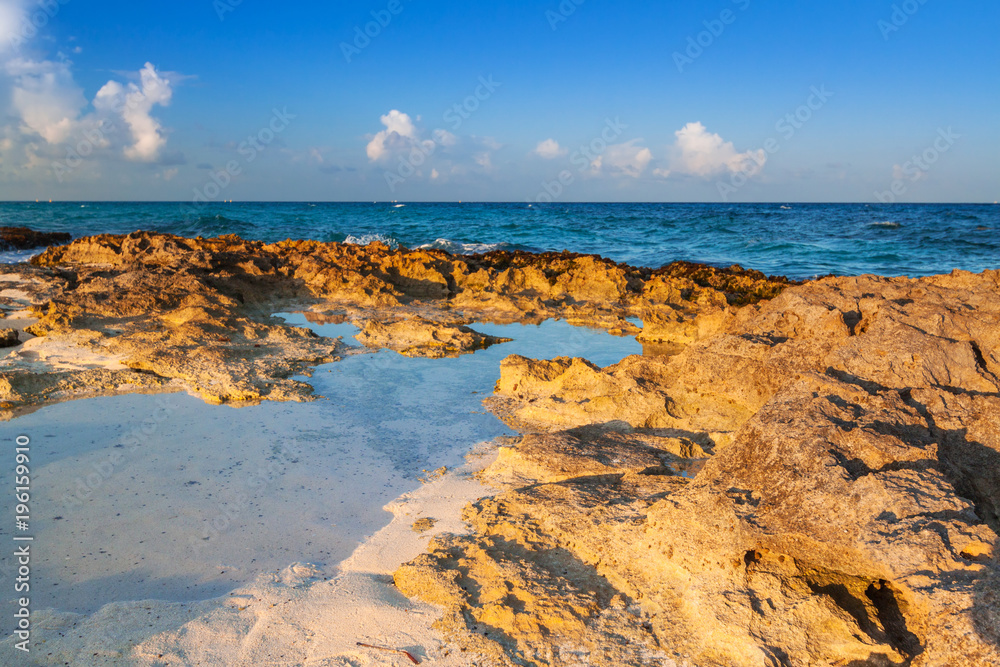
<point>18,256</point>
<point>459,248</point>
<point>366,239</point>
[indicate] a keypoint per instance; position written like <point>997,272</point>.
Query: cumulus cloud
<point>406,151</point>
<point>399,135</point>
<point>445,138</point>
<point>46,98</point>
<point>549,149</point>
<point>627,159</point>
<point>699,152</point>
<point>50,105</point>
<point>135,104</point>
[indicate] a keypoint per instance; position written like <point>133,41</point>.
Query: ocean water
<point>797,240</point>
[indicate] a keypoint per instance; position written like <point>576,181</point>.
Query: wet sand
<point>164,497</point>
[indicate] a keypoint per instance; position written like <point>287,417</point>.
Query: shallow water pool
<point>166,497</point>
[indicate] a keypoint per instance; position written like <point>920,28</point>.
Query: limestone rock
<point>198,310</point>
<point>418,337</point>
<point>847,513</point>
<point>595,452</point>
<point>9,338</point>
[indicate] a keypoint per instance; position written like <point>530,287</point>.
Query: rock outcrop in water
<point>9,338</point>
<point>418,337</point>
<point>22,238</point>
<point>847,513</point>
<point>161,310</point>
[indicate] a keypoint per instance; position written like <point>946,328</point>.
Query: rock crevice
<point>845,512</point>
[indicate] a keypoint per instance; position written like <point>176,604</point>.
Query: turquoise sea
<point>797,240</point>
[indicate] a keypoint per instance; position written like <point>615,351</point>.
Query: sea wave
<point>18,256</point>
<point>460,248</point>
<point>888,224</point>
<point>366,239</point>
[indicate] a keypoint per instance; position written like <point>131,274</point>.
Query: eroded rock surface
<point>418,337</point>
<point>156,310</point>
<point>847,513</point>
<point>9,338</point>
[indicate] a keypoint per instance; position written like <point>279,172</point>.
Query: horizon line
<point>184,202</point>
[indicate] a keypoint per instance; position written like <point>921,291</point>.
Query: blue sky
<point>728,100</point>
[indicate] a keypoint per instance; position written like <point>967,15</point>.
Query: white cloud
<point>46,98</point>
<point>549,149</point>
<point>701,153</point>
<point>484,159</point>
<point>399,135</point>
<point>51,105</point>
<point>406,151</point>
<point>12,22</point>
<point>444,138</point>
<point>627,159</point>
<point>135,103</point>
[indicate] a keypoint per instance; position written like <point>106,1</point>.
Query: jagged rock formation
<point>846,515</point>
<point>195,313</point>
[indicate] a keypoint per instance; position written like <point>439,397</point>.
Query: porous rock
<point>846,515</point>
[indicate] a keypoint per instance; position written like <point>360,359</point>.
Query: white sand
<point>286,618</point>
<point>271,487</point>
<point>56,353</point>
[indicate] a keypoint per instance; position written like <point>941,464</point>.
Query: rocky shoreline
<point>846,513</point>
<point>796,474</point>
<point>158,311</point>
